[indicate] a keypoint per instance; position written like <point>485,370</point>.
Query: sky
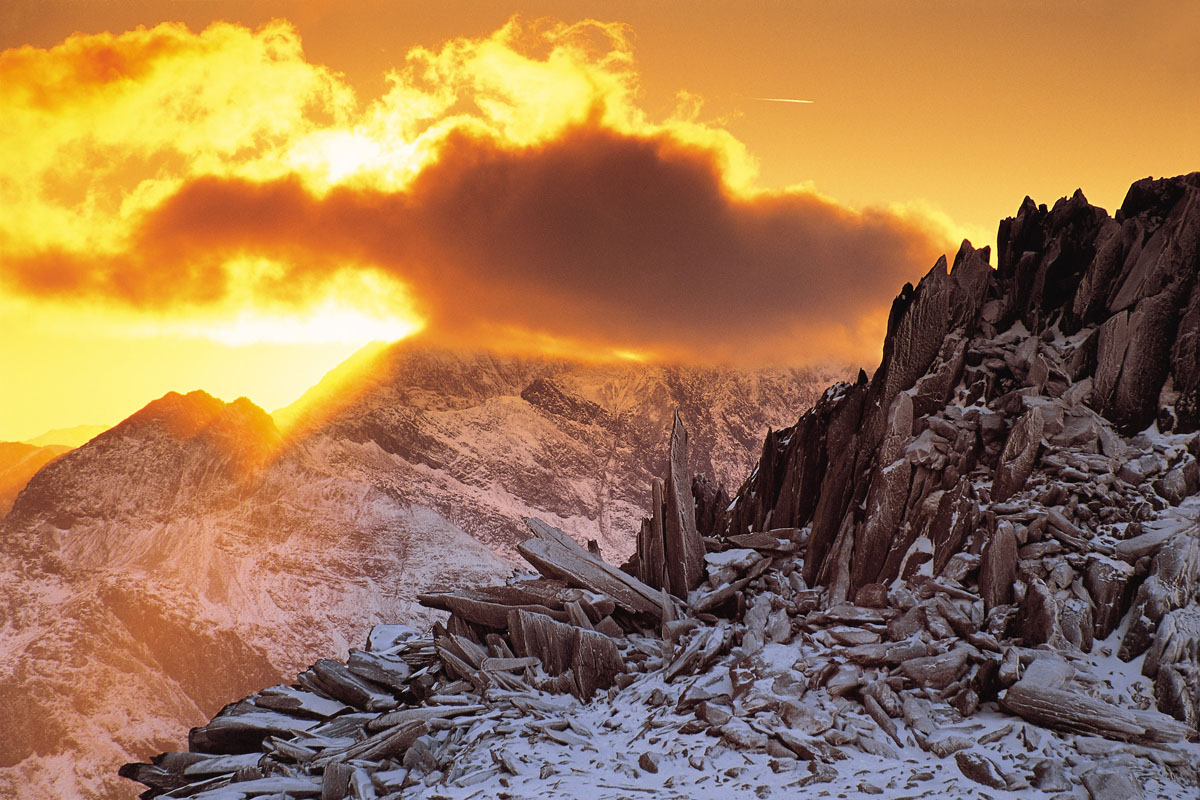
<point>235,196</point>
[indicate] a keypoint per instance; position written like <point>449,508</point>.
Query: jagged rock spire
<point>682,546</point>
<point>1124,290</point>
<point>670,551</point>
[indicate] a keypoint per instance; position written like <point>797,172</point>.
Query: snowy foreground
<point>783,711</point>
<point>634,742</point>
<point>629,745</point>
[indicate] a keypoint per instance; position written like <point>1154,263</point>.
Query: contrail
<point>783,100</point>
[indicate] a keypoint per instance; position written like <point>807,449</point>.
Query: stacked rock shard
<point>942,560</point>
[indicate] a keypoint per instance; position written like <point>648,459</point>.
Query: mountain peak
<point>189,440</point>
<point>68,437</point>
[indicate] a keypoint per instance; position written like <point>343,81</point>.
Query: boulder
<point>938,671</point>
<point>998,568</point>
<point>1019,455</point>
<point>1174,662</point>
<point>1049,776</point>
<point>980,769</point>
<point>1112,783</point>
<point>1108,583</point>
<point>1039,616</point>
<point>1173,573</point>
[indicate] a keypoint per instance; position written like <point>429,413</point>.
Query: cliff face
<point>1094,317</point>
<point>1036,423</point>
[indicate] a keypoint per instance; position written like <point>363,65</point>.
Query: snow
<point>738,558</point>
<point>598,755</point>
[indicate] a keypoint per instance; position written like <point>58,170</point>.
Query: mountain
<point>976,573</point>
<point>19,462</point>
<point>486,439</point>
<point>198,526</point>
<point>68,437</point>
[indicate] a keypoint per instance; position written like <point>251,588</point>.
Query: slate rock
<point>872,595</point>
<point>1112,783</point>
<point>683,550</point>
<point>1172,487</point>
<point>1049,776</point>
<point>1039,616</point>
<point>1144,364</point>
<point>1175,568</point>
<point>1107,582</point>
<point>1019,455</point>
<point>998,568</point>
<point>937,671</point>
<point>980,769</point>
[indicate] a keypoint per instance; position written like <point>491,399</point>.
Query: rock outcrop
<point>999,416</point>
<point>670,553</point>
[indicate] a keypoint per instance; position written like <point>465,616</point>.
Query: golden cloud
<point>505,191</point>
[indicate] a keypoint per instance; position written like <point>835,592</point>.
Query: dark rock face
<point>1108,583</point>
<point>1019,456</point>
<point>1005,423</point>
<point>1174,574</point>
<point>546,395</point>
<point>1124,289</point>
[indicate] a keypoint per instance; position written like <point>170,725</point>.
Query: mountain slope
<point>19,462</point>
<point>486,439</point>
<point>195,525</point>
<point>68,437</point>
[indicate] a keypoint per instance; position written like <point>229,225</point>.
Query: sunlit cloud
<point>506,190</point>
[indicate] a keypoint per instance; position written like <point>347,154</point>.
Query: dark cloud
<point>610,239</point>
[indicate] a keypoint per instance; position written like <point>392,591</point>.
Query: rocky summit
<point>976,574</point>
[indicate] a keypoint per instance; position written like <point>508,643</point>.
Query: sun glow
<point>148,112</point>
<point>357,306</point>
<point>333,321</point>
<point>220,189</point>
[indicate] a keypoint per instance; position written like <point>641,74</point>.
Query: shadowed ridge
<point>1125,293</point>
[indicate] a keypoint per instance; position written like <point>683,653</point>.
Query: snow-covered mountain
<point>975,574</point>
<point>196,526</point>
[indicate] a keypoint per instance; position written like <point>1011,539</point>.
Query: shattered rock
<point>980,769</point>
<point>1049,776</point>
<point>1020,454</point>
<point>936,672</point>
<point>1112,783</point>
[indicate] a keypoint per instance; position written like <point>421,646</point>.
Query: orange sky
<point>237,208</point>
